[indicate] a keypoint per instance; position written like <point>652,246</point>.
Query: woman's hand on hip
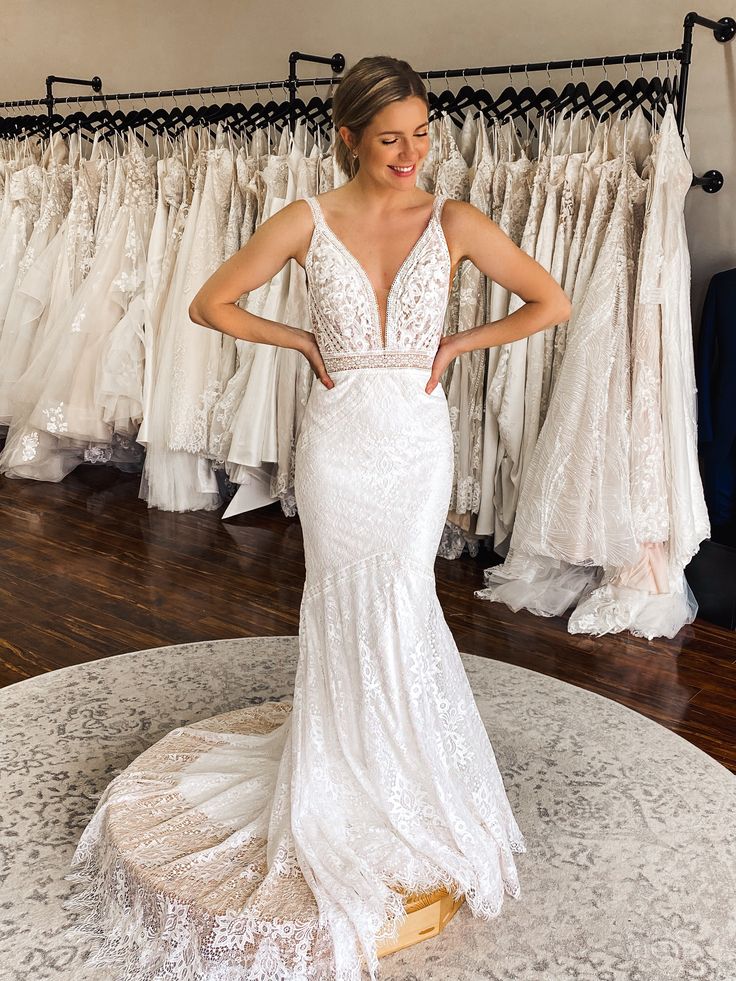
<point>312,353</point>
<point>446,354</point>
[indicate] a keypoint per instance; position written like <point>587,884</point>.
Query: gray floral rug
<point>630,873</point>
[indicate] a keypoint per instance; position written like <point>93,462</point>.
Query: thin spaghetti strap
<point>439,201</point>
<point>316,210</point>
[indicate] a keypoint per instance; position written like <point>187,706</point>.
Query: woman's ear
<point>347,138</point>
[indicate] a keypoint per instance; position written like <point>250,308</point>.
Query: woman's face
<point>394,144</point>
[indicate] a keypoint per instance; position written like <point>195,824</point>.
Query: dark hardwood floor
<point>88,571</point>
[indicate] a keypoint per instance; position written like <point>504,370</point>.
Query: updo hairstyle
<point>368,86</point>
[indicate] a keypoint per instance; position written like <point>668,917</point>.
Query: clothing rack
<point>291,83</point>
<point>723,31</point>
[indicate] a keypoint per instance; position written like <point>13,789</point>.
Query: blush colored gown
<point>280,848</point>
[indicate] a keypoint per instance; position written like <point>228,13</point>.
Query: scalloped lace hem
<point>153,937</point>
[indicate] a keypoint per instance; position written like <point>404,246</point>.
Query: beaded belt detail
<point>378,359</point>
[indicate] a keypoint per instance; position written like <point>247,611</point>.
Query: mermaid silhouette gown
<point>276,842</point>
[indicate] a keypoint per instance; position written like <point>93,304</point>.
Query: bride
<point>380,779</point>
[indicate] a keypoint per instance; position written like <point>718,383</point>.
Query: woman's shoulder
<point>298,210</point>
<point>333,201</point>
<point>462,224</point>
<point>459,213</point>
<point>290,226</point>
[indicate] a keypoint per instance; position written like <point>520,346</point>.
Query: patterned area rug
<point>630,873</point>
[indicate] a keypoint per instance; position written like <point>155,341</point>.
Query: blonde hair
<point>364,90</point>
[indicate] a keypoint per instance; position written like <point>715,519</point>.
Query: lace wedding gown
<point>280,848</point>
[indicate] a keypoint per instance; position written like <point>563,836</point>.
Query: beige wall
<point>148,44</point>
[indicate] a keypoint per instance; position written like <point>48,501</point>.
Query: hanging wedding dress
<point>162,245</point>
<point>35,277</point>
<point>24,190</point>
<point>570,135</point>
<point>224,411</point>
<point>574,512</point>
<point>464,394</point>
<point>294,374</point>
<point>539,346</point>
<point>576,274</point>
<point>570,201</point>
<point>277,845</point>
<point>60,409</point>
<point>254,490</point>
<point>180,479</point>
<point>509,379</point>
<point>496,306</point>
<point>254,438</point>
<point>245,431</point>
<point>516,177</point>
<point>649,596</point>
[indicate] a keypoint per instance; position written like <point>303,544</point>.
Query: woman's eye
<point>390,142</point>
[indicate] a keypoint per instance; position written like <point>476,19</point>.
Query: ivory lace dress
<point>275,843</point>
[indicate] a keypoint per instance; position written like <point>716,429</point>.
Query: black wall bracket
<point>95,83</point>
<point>336,63</point>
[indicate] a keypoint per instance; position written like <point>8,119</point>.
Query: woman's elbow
<point>197,313</point>
<point>563,308</point>
<point>566,309</point>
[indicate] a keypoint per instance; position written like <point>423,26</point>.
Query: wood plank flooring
<point>87,571</point>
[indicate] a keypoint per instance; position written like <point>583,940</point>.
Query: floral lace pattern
<point>286,852</point>
<point>604,510</point>
<point>343,304</point>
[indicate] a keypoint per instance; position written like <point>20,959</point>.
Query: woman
<point>392,777</point>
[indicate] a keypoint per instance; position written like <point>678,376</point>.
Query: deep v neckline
<point>382,329</point>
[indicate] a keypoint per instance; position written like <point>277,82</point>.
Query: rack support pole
<point>95,83</point>
<point>336,62</point>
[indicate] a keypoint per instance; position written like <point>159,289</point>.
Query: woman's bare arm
<point>492,251</point>
<point>281,237</point>
<point>472,235</point>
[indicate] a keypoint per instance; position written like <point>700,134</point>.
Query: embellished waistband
<point>378,359</point>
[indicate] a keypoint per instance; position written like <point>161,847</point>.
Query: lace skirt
<point>277,843</point>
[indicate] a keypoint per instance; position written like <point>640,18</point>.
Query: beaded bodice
<point>344,307</point>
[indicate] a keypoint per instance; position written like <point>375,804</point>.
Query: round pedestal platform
<point>173,832</point>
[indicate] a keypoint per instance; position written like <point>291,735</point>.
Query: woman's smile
<point>405,171</point>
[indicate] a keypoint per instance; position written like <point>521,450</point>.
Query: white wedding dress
<point>649,596</point>
<point>279,848</point>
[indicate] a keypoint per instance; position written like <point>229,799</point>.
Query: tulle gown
<point>282,853</point>
<point>35,278</point>
<point>572,518</point>
<point>176,475</point>
<point>64,402</point>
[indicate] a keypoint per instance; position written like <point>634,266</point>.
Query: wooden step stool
<point>427,915</point>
